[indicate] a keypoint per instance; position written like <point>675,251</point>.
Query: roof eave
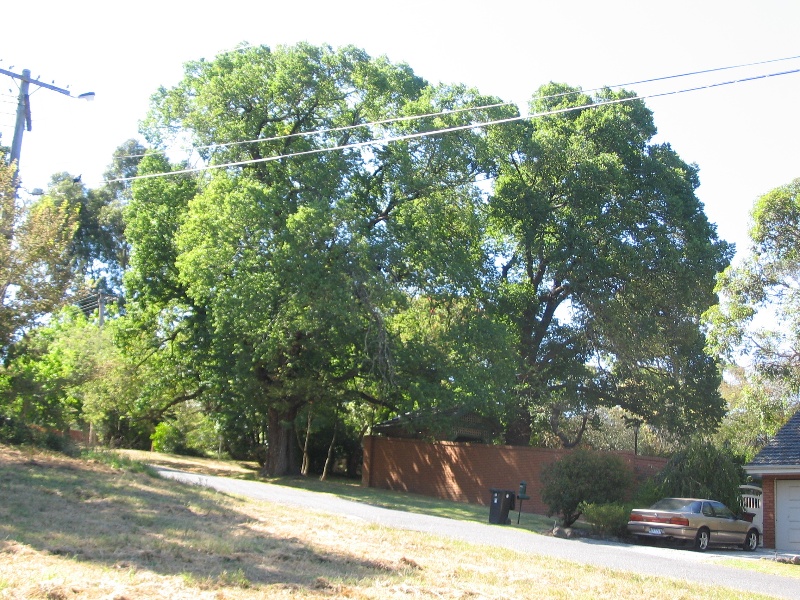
<point>772,469</point>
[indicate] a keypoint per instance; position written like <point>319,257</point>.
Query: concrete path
<point>645,560</point>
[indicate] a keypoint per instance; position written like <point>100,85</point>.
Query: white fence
<point>750,500</point>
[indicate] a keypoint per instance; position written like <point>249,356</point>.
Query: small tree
<point>583,476</point>
<point>702,470</point>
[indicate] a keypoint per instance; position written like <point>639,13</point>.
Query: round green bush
<point>583,476</point>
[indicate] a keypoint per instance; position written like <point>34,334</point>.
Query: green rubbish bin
<point>502,501</point>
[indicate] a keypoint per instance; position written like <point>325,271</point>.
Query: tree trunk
<point>306,460</point>
<point>555,426</point>
<point>329,459</point>
<point>281,447</point>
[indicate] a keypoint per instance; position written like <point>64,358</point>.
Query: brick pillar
<point>368,447</point>
<point>768,502</point>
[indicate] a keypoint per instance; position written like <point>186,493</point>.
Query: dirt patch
<point>205,466</point>
<point>14,456</point>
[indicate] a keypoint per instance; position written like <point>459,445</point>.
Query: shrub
<point>119,461</point>
<point>14,431</point>
<point>167,438</point>
<point>702,470</point>
<point>583,476</point>
<point>607,519</point>
<point>648,493</point>
<point>57,442</point>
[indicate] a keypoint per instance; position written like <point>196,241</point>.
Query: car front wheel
<point>751,541</point>
<point>702,539</point>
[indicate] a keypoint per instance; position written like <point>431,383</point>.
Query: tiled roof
<point>450,424</point>
<point>784,448</point>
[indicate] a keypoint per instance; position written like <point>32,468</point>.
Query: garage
<point>777,466</point>
<point>787,515</point>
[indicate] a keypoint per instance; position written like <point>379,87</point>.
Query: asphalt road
<point>645,560</point>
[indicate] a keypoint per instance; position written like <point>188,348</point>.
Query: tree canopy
<point>304,261</point>
<point>36,259</point>
<point>607,264</point>
<point>758,316</point>
<point>347,241</point>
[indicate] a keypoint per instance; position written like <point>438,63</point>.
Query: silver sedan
<point>698,521</point>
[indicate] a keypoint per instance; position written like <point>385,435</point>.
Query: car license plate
<point>656,531</point>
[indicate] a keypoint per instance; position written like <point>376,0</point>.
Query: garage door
<point>787,515</point>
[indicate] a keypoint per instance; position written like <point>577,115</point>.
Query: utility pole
<point>23,117</point>
<point>100,310</point>
<point>24,107</point>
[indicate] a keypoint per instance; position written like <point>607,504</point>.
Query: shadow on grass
<point>348,489</point>
<point>409,502</point>
<point>123,520</point>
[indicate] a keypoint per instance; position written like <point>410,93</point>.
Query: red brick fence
<point>466,472</point>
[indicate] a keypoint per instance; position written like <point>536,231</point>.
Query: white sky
<point>745,137</point>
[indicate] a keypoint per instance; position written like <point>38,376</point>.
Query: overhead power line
<point>96,301</point>
<point>387,140</point>
<point>704,71</point>
<point>339,129</point>
<point>471,108</point>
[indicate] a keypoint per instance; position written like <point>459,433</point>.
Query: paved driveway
<point>646,560</point>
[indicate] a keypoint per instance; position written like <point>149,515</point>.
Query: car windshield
<point>677,505</point>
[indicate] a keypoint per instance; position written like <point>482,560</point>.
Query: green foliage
<point>57,374</point>
<point>613,430</point>
<point>592,216</point>
<point>758,406</point>
<point>648,493</point>
<point>167,437</point>
<point>15,432</point>
<point>607,519</point>
<point>55,441</point>
<point>758,317</point>
<point>702,470</point>
<point>118,461</point>
<point>36,257</point>
<point>71,374</point>
<point>101,250</point>
<point>372,280</point>
<point>188,432</point>
<point>47,368</point>
<point>290,278</point>
<point>582,476</point>
<point>452,355</point>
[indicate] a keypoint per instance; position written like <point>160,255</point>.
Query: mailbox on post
<point>523,495</point>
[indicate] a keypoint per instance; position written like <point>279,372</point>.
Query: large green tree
<point>300,260</point>
<point>757,321</point>
<point>607,262</point>
<point>36,257</point>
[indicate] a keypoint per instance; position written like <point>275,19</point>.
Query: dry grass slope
<point>83,529</point>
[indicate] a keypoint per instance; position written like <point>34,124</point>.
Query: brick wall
<point>466,472</point>
<point>78,436</point>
